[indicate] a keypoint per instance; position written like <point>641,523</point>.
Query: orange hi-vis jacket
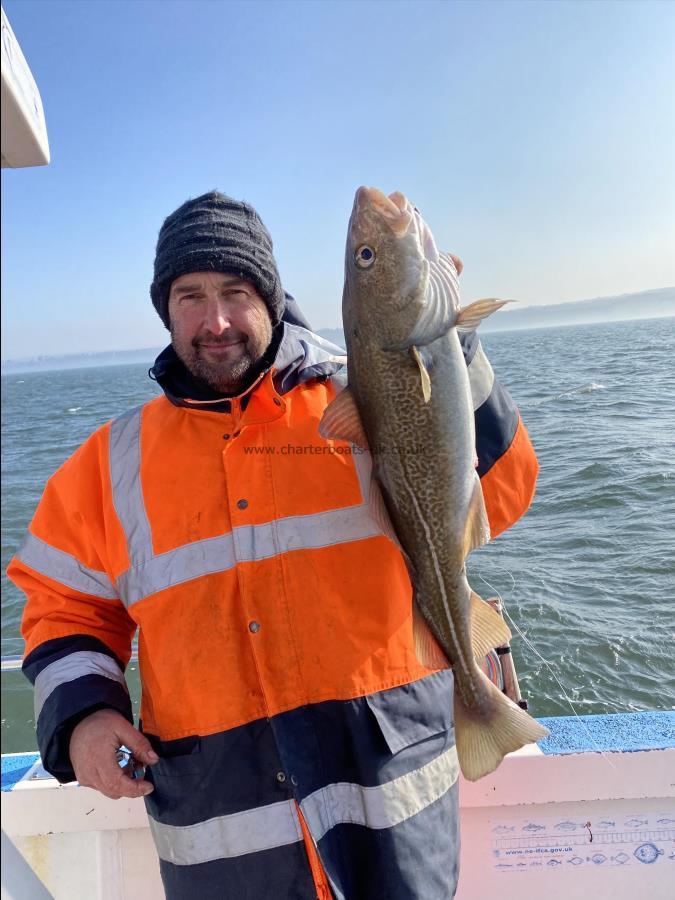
<point>304,749</point>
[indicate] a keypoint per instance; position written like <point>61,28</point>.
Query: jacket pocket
<point>414,712</point>
<point>176,758</point>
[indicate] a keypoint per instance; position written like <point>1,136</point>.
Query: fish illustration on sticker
<point>621,858</point>
<point>647,853</point>
<point>503,829</point>
<point>532,827</point>
<point>553,863</point>
<point>575,861</point>
<point>635,823</point>
<point>606,824</point>
<point>598,859</point>
<point>566,826</point>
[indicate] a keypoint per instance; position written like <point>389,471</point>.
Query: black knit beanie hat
<point>215,233</point>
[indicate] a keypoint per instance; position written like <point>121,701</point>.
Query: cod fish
<point>409,402</point>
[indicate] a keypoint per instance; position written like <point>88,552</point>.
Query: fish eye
<point>364,256</point>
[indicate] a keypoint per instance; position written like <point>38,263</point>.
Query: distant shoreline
<point>148,355</point>
<point>656,303</point>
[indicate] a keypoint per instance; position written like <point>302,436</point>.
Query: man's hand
<point>93,754</point>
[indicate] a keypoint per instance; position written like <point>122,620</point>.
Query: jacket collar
<point>295,356</point>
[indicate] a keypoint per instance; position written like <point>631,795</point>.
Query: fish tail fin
<point>483,741</point>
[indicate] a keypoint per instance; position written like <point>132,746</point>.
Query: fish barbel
<point>409,401</point>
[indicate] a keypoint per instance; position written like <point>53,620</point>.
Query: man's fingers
<point>115,784</point>
<point>94,754</point>
<point>138,744</point>
<point>127,787</point>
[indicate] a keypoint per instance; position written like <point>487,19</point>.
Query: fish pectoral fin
<point>424,374</point>
<point>472,315</point>
<point>341,421</point>
<point>477,528</point>
<point>427,648</point>
<point>488,628</point>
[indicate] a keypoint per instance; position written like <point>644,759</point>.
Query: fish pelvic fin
<point>424,374</point>
<point>477,528</point>
<point>483,741</point>
<point>341,421</point>
<point>472,315</point>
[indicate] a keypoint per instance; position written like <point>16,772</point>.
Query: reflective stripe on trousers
<point>382,806</point>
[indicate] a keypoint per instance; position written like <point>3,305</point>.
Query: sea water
<point>587,577</point>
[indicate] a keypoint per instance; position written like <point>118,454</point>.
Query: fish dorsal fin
<point>488,629</point>
<point>427,648</point>
<point>377,509</point>
<point>472,315</point>
<point>477,528</point>
<point>441,302</point>
<point>341,421</point>
<point>424,374</point>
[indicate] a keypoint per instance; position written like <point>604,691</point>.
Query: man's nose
<point>217,316</point>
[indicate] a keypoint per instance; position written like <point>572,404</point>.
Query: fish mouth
<point>395,209</point>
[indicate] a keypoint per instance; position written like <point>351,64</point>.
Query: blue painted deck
<point>620,733</point>
<point>16,767</point>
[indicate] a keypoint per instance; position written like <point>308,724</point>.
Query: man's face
<point>220,327</point>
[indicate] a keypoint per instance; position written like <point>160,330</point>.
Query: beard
<point>231,374</point>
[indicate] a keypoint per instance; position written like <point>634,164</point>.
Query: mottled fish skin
<point>423,448</point>
<point>423,453</point>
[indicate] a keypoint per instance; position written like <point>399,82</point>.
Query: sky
<point>537,138</point>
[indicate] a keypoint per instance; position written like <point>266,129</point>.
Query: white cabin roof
<point>24,131</point>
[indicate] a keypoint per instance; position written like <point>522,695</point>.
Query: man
<point>294,746</point>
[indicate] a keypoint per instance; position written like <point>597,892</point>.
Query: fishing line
<point>549,666</point>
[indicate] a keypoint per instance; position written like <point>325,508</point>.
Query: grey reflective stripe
<point>176,566</point>
<point>384,805</point>
<point>149,573</point>
<point>310,532</point>
<point>225,837</point>
<point>247,543</point>
<point>70,667</point>
<point>64,568</point>
<point>481,377</point>
<point>363,463</point>
<point>125,476</point>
